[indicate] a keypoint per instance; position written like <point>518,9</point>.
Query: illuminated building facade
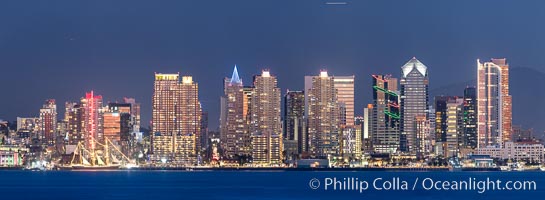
<point>493,102</point>
<point>441,113</point>
<point>118,123</point>
<point>522,151</point>
<point>414,101</point>
<point>384,115</point>
<point>470,118</point>
<point>176,116</point>
<point>204,131</point>
<point>92,119</point>
<point>351,142</point>
<point>266,148</point>
<point>234,132</point>
<point>265,118</point>
<point>48,121</point>
<point>322,111</point>
<point>345,95</point>
<point>191,110</point>
<point>455,127</point>
<point>135,113</point>
<point>112,126</point>
<point>294,120</point>
<point>423,136</point>
<point>73,117</point>
<point>31,124</point>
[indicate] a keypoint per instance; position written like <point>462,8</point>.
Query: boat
<point>97,159</point>
<point>455,165</point>
<point>542,168</point>
<point>96,167</point>
<point>505,168</point>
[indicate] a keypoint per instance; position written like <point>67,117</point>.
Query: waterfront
<point>274,184</point>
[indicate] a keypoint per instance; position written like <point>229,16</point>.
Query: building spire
<point>412,64</point>
<point>235,78</point>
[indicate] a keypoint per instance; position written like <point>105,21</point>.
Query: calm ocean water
<point>247,185</point>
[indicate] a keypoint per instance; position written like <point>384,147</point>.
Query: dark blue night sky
<point>61,49</point>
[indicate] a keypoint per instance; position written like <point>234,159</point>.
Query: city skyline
<point>277,99</point>
<point>353,39</point>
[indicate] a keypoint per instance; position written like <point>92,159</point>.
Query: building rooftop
<point>411,65</point>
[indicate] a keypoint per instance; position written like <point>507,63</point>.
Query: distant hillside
<point>528,91</point>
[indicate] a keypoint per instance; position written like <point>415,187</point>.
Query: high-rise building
<point>73,117</point>
<point>119,125</point>
<point>204,130</point>
<point>235,137</point>
<point>414,101</point>
<point>432,121</point>
<point>455,127</point>
<point>322,111</point>
<point>423,136</point>
<point>191,110</point>
<point>92,119</point>
<point>112,126</point>
<point>366,129</point>
<point>135,113</point>
<point>441,111</point>
<point>31,124</point>
<point>385,117</point>
<point>265,118</point>
<point>351,142</point>
<point>470,118</point>
<point>345,95</point>
<point>266,148</point>
<point>294,121</point>
<point>48,121</point>
<point>176,118</point>
<point>493,102</point>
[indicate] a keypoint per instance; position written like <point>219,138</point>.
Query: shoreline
<point>277,169</point>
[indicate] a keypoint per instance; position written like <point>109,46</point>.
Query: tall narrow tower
<point>493,102</point>
<point>385,115</point>
<point>323,115</point>
<point>414,101</point>
<point>294,121</point>
<point>176,118</point>
<point>234,127</point>
<point>265,118</point>
<point>345,95</point>
<point>92,119</point>
<point>470,118</point>
<point>48,120</point>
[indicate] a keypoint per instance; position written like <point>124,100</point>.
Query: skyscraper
<point>191,110</point>
<point>176,118</point>
<point>92,119</point>
<point>423,136</point>
<point>441,111</point>
<point>345,95</point>
<point>414,101</point>
<point>493,102</point>
<point>470,118</point>
<point>322,110</point>
<point>384,120</point>
<point>234,132</point>
<point>265,118</point>
<point>119,124</point>
<point>455,127</point>
<point>294,121</point>
<point>73,117</point>
<point>204,130</point>
<point>165,113</point>
<point>135,113</point>
<point>48,121</point>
